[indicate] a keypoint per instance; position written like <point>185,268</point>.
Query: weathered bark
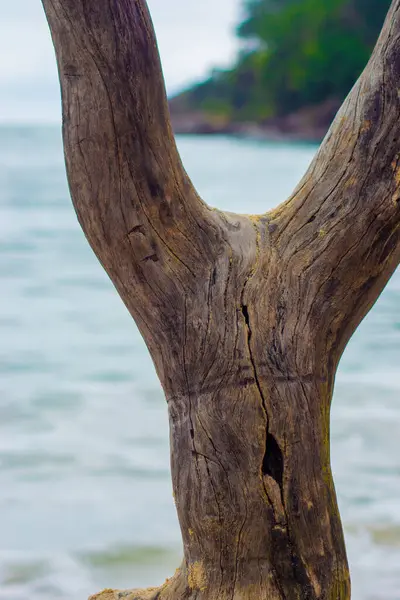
<point>245,317</point>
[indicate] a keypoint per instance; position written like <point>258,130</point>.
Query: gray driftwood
<point>245,317</point>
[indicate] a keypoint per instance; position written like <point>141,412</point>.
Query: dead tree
<point>245,317</point>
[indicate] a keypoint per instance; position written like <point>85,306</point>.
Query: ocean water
<point>86,499</point>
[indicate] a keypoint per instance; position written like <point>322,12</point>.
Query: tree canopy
<point>294,53</point>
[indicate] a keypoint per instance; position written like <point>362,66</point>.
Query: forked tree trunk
<point>245,317</point>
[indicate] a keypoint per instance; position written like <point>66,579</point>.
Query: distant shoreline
<point>251,131</point>
<point>309,124</point>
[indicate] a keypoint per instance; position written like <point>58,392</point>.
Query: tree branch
<point>339,234</point>
<point>336,239</point>
<point>134,201</point>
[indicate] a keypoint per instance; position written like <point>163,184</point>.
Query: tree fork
<point>245,317</point>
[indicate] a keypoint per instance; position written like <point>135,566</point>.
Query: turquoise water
<point>85,499</point>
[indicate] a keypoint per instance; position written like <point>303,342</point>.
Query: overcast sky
<point>193,36</point>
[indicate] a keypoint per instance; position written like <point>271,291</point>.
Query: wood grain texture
<point>245,317</point>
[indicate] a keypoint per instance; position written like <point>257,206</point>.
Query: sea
<point>85,492</point>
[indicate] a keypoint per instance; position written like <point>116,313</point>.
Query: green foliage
<point>296,53</point>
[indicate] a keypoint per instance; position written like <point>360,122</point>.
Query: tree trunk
<point>245,317</point>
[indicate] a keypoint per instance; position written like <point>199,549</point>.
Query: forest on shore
<point>298,60</point>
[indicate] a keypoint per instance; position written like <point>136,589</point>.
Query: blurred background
<point>86,499</point>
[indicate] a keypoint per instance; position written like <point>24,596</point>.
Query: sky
<point>193,37</point>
